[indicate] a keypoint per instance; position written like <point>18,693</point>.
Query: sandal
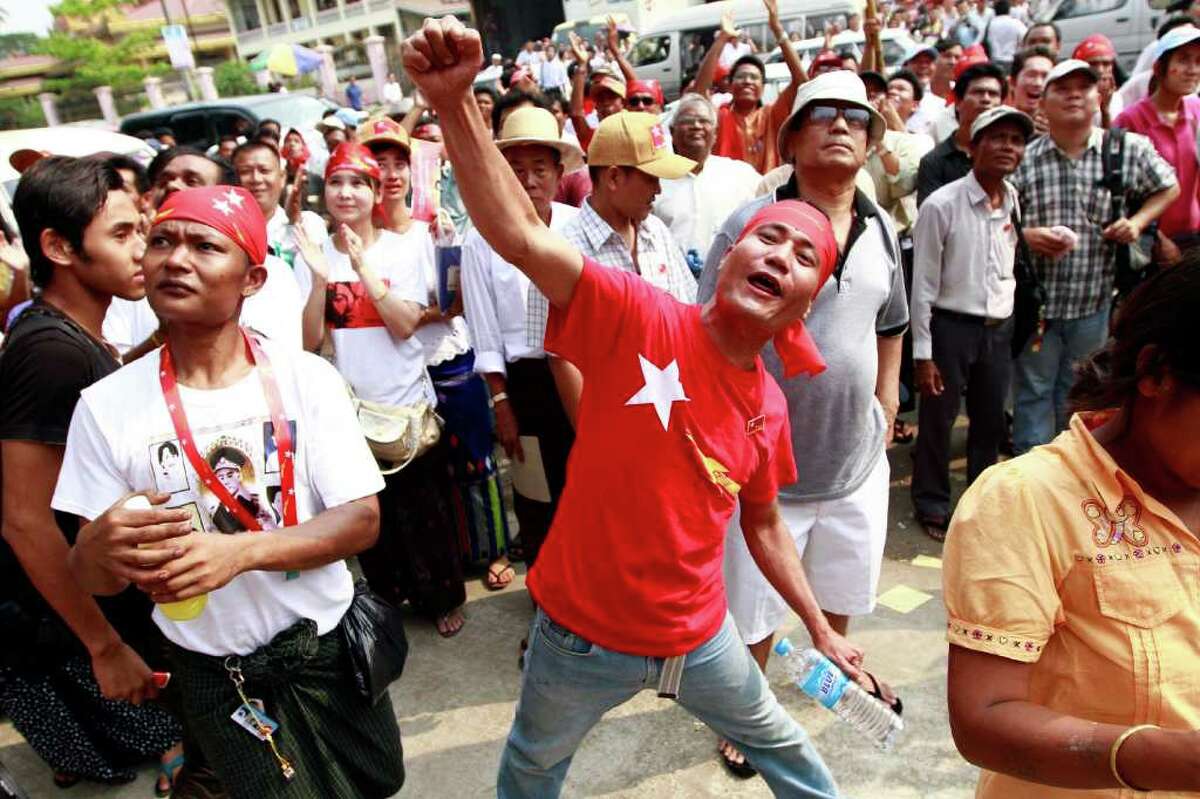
<point>170,772</point>
<point>877,692</point>
<point>902,432</point>
<point>743,770</point>
<point>494,579</point>
<point>935,526</point>
<point>443,624</point>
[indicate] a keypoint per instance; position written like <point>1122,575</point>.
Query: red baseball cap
<point>1095,47</point>
<point>975,54</point>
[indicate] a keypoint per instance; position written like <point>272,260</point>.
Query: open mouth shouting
<point>764,284</point>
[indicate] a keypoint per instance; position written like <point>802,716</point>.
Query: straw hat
<point>537,126</point>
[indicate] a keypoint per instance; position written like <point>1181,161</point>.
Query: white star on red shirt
<point>222,206</point>
<point>234,198</point>
<point>662,389</point>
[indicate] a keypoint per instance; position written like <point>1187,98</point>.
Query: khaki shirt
<point>1059,559</point>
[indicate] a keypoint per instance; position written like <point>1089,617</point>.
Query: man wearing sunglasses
<point>842,419</point>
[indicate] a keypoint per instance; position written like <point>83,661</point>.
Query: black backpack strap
<point>1112,160</point>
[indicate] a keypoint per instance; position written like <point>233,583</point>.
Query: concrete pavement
<point>456,699</point>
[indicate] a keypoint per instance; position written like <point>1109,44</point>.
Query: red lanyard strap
<point>281,433</point>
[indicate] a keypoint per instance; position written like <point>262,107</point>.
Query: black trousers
<point>539,412</point>
<point>974,356</point>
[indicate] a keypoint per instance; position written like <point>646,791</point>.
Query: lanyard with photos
<point>280,429</point>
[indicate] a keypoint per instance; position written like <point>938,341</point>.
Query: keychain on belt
<point>252,717</point>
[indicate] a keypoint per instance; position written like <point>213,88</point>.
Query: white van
<point>671,48</point>
<point>896,44</point>
<point>1130,24</point>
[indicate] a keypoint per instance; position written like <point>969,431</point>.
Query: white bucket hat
<point>842,85</point>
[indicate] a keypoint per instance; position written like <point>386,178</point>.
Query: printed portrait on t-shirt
<point>234,469</point>
<point>271,453</point>
<point>194,510</point>
<point>170,476</point>
<point>347,305</point>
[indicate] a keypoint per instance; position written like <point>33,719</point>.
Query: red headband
<point>795,347</point>
<point>1095,46</point>
<point>651,87</point>
<point>295,161</point>
<point>230,210</point>
<point>353,157</point>
<point>975,54</point>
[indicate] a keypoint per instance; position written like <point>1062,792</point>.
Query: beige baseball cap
<point>537,126</point>
<point>631,138</point>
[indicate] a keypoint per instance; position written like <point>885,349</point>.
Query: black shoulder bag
<point>1134,262</point>
<point>1029,298</point>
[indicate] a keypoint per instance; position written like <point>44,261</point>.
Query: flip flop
<point>934,526</point>
<point>743,770</point>
<point>491,580</point>
<point>64,781</point>
<point>906,437</point>
<point>877,692</point>
<point>168,770</point>
<point>449,633</point>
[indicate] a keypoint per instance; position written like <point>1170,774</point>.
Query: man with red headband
<point>678,425</point>
<point>1097,52</point>
<point>252,619</point>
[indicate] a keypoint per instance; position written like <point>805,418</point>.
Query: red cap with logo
<point>795,347</point>
<point>229,210</point>
<point>975,54</point>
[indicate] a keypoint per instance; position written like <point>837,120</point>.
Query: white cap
<point>998,114</point>
<point>331,122</point>
<point>1070,67</point>
<point>842,85</point>
<point>1174,39</point>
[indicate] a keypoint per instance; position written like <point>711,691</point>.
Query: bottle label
<point>825,684</point>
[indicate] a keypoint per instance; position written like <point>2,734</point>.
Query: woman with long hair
<point>1070,577</point>
<point>479,514</point>
<point>366,295</point>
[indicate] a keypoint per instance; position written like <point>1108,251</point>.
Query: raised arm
<point>578,85</point>
<point>614,47</point>
<point>441,59</point>
<point>708,67</point>
<point>790,57</point>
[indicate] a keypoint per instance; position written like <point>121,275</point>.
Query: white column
<point>328,72</point>
<point>108,108</point>
<point>49,102</point>
<point>377,58</point>
<point>154,92</point>
<point>208,89</point>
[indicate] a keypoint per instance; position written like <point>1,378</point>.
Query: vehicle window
<point>1082,8</point>
<point>1161,5</point>
<point>893,51</point>
<point>192,129</point>
<point>292,110</point>
<point>814,24</point>
<point>695,45</point>
<point>232,122</point>
<point>651,50</point>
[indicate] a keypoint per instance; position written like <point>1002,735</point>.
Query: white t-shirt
<point>122,439</point>
<point>732,52</point>
<point>379,366</point>
<point>1004,35</point>
<point>282,239</point>
<point>695,206</point>
<point>275,311</point>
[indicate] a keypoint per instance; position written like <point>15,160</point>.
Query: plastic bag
<point>375,641</point>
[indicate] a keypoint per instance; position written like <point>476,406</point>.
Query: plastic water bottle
<point>818,677</point>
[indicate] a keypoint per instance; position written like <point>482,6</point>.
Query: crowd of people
<point>657,354</point>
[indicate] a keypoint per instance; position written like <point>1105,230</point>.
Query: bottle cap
<point>784,647</point>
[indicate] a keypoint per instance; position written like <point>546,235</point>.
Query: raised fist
<point>443,59</point>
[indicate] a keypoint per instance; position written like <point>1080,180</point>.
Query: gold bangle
<point>1116,748</point>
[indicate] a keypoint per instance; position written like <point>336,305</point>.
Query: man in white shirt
<point>554,72</point>
<point>962,305</point>
<point>528,411</point>
<point>1004,35</point>
<point>262,173</point>
<point>697,204</point>
<point>270,444</point>
<point>392,93</point>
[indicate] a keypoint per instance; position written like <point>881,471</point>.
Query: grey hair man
<point>841,420</point>
<point>697,204</point>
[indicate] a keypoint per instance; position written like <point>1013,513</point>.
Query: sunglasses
<point>640,100</point>
<point>856,118</point>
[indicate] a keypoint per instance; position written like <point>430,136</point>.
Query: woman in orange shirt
<point>1072,578</point>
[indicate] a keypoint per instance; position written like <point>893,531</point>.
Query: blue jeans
<point>1043,378</point>
<point>569,683</point>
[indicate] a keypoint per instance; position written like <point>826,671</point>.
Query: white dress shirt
<point>281,238</point>
<point>1004,36</point>
<point>494,299</point>
<point>963,257</point>
<point>696,205</point>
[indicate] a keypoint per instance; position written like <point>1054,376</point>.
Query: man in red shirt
<point>678,424</point>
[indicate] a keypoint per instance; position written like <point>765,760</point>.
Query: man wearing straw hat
<point>527,407</point>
